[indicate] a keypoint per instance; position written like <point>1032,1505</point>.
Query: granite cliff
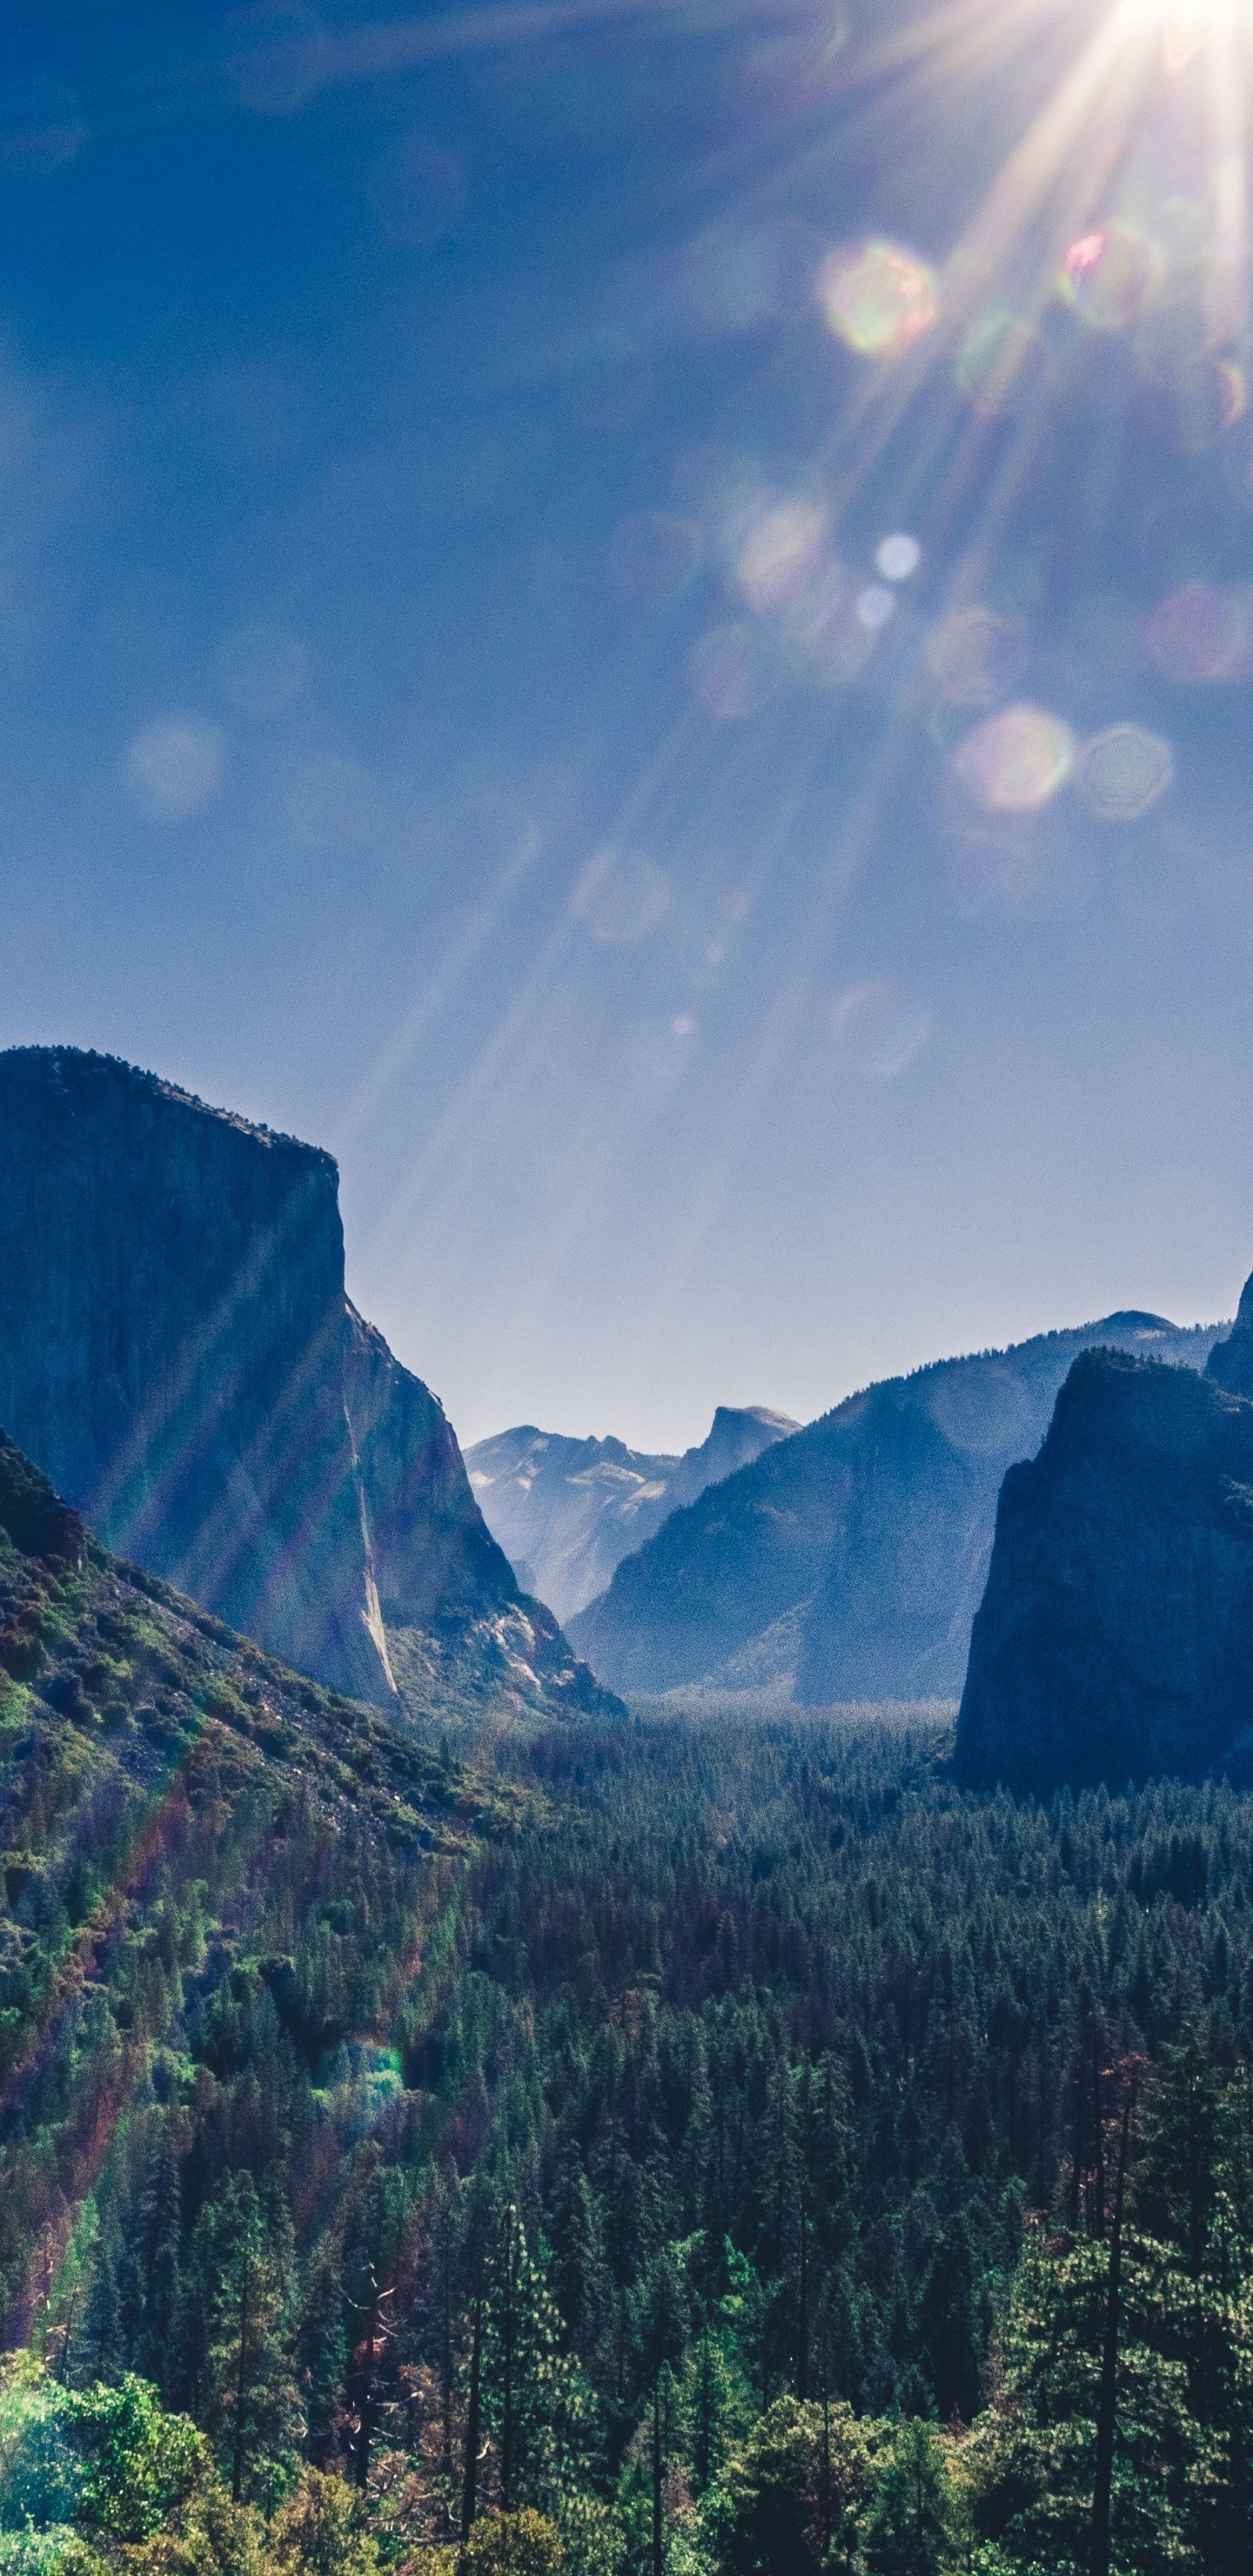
<point>1230,1363</point>
<point>178,1355</point>
<point>848,1561</point>
<point>1115,1639</point>
<point>566,1511</point>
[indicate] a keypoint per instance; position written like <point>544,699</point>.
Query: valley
<point>478,2115</point>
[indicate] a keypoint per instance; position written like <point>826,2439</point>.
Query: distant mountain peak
<point>571,1509</point>
<point>847,1562</point>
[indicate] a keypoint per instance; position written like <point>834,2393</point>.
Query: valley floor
<point>711,2146</point>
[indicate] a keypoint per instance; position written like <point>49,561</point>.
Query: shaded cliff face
<point>1115,1639</point>
<point>177,1353</point>
<point>1230,1363</point>
<point>848,1562</point>
<point>567,1511</point>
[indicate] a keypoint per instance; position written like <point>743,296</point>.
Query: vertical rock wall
<point>178,1355</point>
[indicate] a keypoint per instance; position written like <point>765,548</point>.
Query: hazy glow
<point>880,1028</point>
<point>174,767</point>
<point>1015,762</point>
<point>777,552</point>
<point>898,557</point>
<point>545,432</point>
<point>620,897</point>
<point>731,672</point>
<point>827,637</point>
<point>1210,398</point>
<point>1001,363</point>
<point>1186,30</point>
<point>1203,633</point>
<point>878,298</point>
<point>875,605</point>
<point>1124,771</point>
<point>975,656</point>
<point>1108,276</point>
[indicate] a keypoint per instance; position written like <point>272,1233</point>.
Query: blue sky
<point>454,705</point>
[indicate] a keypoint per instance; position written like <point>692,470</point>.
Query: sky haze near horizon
<point>641,619</point>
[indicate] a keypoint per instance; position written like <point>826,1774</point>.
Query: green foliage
<point>514,2544</point>
<point>1184,2379</point>
<point>592,2535</point>
<point>910,2527</point>
<point>791,2498</point>
<point>240,2270</point>
<point>140,2467</point>
<point>758,2093</point>
<point>535,2399</point>
<point>103,2477</point>
<point>323,2531</point>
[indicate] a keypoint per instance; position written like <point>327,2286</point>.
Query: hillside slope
<point>182,1821</point>
<point>566,1512</point>
<point>178,1354</point>
<point>847,1563</point>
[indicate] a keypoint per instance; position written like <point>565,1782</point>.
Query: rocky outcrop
<point>847,1562</point>
<point>1115,1639</point>
<point>178,1355</point>
<point>567,1511</point>
<point>1230,1363</point>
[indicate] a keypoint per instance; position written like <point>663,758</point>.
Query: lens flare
<point>1202,633</point>
<point>880,1027</point>
<point>1123,771</point>
<point>825,639</point>
<point>776,553</point>
<point>877,298</point>
<point>175,766</point>
<point>732,672</point>
<point>875,604</point>
<point>1001,365</point>
<point>976,656</point>
<point>1014,762</point>
<point>801,50</point>
<point>898,557</point>
<point>1209,399</point>
<point>1109,276</point>
<point>1185,33</point>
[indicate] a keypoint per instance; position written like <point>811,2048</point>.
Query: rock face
<point>1230,1363</point>
<point>1115,1639</point>
<point>178,1355</point>
<point>566,1512</point>
<point>848,1562</point>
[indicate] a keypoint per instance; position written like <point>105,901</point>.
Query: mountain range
<point>179,1355</point>
<point>847,1562</point>
<point>567,1511</point>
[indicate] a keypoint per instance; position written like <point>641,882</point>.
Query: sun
<point>1188,26</point>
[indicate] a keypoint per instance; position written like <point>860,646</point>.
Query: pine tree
<point>535,2400</point>
<point>322,2357</point>
<point>910,2525</point>
<point>249,2400</point>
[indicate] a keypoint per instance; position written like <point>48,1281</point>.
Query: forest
<point>682,2146</point>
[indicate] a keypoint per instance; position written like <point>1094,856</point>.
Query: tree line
<point>720,2166</point>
